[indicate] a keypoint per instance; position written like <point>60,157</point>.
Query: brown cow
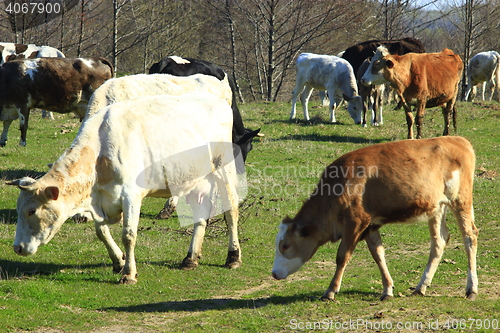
<point>396,182</point>
<point>58,84</point>
<point>427,79</point>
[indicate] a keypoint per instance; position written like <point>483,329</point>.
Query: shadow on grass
<point>331,138</point>
<point>12,269</point>
<point>210,304</point>
<point>225,303</point>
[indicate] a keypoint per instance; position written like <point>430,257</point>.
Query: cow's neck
<point>74,173</point>
<point>321,210</point>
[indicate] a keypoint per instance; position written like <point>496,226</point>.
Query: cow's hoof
<point>417,293</point>
<point>189,263</point>
<point>328,296</point>
<point>472,296</point>
<point>233,259</point>
<point>386,297</point>
<point>128,279</point>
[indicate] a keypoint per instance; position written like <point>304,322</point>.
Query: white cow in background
<point>330,73</point>
<point>483,68</point>
<point>149,146</point>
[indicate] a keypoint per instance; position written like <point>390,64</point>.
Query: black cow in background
<point>356,54</point>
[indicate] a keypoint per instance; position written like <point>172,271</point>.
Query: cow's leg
<point>483,90</point>
<point>201,212</point>
<point>4,137</point>
<point>364,98</point>
<point>350,237</point>
<point>296,92</point>
<point>409,120</point>
<point>230,199</point>
<point>131,212</point>
<point>115,253</point>
<point>168,208</point>
<point>419,118</point>
<point>333,104</point>
<point>377,107</point>
<point>324,98</point>
<point>465,220</point>
<point>24,114</point>
<point>439,237</point>
<point>376,248</point>
<point>447,112</point>
<point>304,99</point>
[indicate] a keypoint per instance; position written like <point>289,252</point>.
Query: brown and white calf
<point>57,84</point>
<point>424,79</point>
<point>397,182</point>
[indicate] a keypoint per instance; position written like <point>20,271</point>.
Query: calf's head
<point>379,68</point>
<point>39,215</point>
<point>354,107</point>
<point>295,245</point>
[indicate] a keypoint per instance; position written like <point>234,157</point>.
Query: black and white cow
<point>57,84</point>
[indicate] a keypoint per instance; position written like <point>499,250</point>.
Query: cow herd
<point>177,131</point>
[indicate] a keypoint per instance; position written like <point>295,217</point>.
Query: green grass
<point>69,286</point>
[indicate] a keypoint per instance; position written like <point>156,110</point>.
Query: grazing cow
<point>188,66</point>
<point>483,68</point>
<point>398,182</point>
<point>372,96</point>
<point>155,146</point>
<point>356,54</point>
<point>330,73</point>
<point>426,79</point>
<point>11,51</point>
<point>57,84</point>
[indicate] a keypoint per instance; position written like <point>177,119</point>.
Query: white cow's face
<point>294,246</point>
<point>38,215</point>
<point>355,108</point>
<point>374,74</point>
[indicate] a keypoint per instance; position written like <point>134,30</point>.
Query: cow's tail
<point>108,63</point>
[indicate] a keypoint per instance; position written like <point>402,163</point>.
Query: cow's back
<point>320,70</point>
<point>133,86</point>
<point>430,169</point>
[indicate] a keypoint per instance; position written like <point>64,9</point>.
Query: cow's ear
<point>389,64</point>
<point>307,230</point>
<point>51,192</point>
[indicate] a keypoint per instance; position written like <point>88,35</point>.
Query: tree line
<point>255,41</point>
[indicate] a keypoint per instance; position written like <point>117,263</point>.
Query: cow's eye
<point>31,212</point>
<point>284,247</point>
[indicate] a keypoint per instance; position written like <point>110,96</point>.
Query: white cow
<point>133,86</point>
<point>483,68</point>
<point>155,146</point>
<point>330,73</point>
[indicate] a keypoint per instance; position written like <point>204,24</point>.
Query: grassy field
<point>68,286</point>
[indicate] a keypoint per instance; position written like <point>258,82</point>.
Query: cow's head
<point>295,245</point>
<point>376,72</point>
<point>39,215</point>
<point>354,107</point>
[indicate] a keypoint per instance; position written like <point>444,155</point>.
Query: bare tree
<point>283,28</point>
